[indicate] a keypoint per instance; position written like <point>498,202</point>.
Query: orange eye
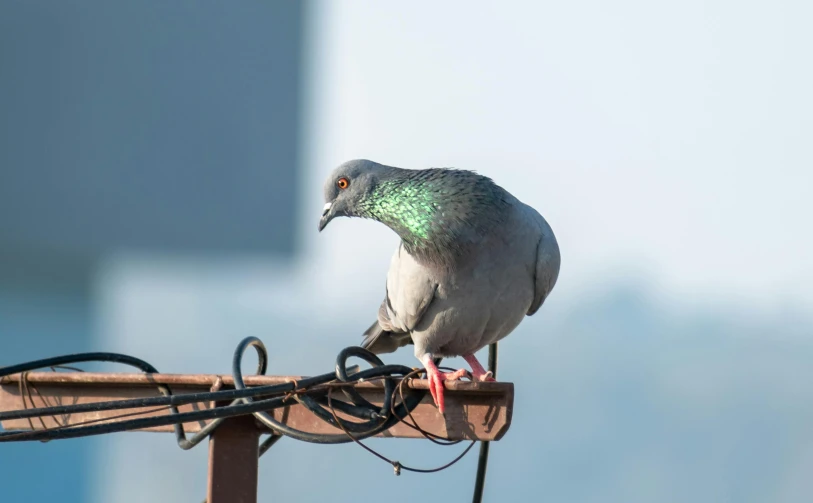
<point>342,183</point>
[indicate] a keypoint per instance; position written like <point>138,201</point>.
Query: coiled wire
<point>313,393</point>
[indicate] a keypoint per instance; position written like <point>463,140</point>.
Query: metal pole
<point>482,460</point>
<point>234,461</point>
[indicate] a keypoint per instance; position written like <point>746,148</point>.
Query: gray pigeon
<point>472,262</point>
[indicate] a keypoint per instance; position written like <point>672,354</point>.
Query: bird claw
<point>477,371</point>
<point>487,377</point>
<point>436,386</point>
<point>436,379</point>
<point>457,374</point>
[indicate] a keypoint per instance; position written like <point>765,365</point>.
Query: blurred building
<point>150,127</point>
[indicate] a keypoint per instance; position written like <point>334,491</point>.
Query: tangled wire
<point>314,393</point>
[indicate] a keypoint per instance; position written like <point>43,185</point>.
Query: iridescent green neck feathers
<point>438,213</point>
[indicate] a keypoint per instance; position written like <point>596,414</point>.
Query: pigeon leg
<point>477,371</point>
<point>433,375</point>
<point>436,378</point>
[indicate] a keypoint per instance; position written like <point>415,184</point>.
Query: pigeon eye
<point>342,183</point>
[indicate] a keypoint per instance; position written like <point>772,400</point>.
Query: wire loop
<point>313,393</point>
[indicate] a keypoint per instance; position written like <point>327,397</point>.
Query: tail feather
<point>378,341</point>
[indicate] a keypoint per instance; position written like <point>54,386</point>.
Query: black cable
<point>157,401</point>
<point>377,419</point>
<point>218,413</point>
<point>267,443</point>
<point>368,428</point>
<point>79,358</point>
<point>313,393</point>
<point>482,459</point>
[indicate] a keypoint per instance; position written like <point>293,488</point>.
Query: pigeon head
<point>437,213</point>
<point>348,186</point>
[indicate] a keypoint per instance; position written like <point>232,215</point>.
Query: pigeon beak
<point>327,216</point>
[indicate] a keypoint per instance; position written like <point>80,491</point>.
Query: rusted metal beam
<point>208,380</point>
<point>474,410</point>
<point>233,462</point>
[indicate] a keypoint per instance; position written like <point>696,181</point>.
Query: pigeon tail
<point>379,341</point>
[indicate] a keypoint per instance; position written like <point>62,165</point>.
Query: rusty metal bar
<point>207,380</point>
<point>475,410</point>
<point>233,461</point>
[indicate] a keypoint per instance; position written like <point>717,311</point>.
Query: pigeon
<point>473,260</point>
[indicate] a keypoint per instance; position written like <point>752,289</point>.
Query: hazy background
<point>161,167</point>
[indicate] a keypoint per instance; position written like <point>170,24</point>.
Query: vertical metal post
<point>234,462</point>
<point>482,460</point>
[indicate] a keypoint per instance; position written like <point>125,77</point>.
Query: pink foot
<point>454,376</point>
<point>436,378</point>
<point>478,373</point>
